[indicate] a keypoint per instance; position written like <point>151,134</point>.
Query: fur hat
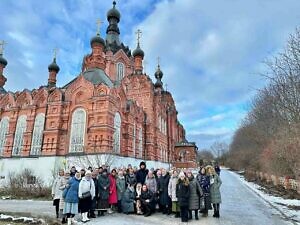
<point>88,172</point>
<point>181,174</point>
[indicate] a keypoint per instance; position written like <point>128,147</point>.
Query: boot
<point>83,219</point>
<point>69,221</point>
<point>196,215</point>
<point>73,221</point>
<point>86,217</point>
<point>215,210</point>
<point>190,214</point>
<point>64,220</point>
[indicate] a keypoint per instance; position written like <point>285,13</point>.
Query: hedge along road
<point>240,206</point>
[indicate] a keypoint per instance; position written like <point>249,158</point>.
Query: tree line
<point>268,139</point>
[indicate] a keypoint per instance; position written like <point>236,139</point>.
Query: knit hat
<point>142,163</point>
<point>88,172</point>
<point>181,174</point>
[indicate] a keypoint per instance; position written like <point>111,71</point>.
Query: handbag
<point>86,194</point>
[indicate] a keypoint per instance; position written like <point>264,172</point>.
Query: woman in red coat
<point>113,198</point>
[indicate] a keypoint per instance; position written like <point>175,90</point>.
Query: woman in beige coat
<point>172,193</point>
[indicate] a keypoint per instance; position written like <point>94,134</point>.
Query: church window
<point>18,141</point>
<point>37,136</point>
<point>120,71</point>
<point>78,130</point>
<point>140,142</point>
<point>4,125</point>
<point>117,133</point>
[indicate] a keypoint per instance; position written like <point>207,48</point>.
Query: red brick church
<point>111,107</point>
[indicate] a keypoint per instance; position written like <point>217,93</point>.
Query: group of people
<point>94,192</point>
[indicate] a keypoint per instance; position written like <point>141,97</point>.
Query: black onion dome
<point>53,66</point>
<point>158,74</point>
<point>113,13</point>
<point>3,61</point>
<point>158,84</point>
<point>97,39</point>
<point>138,52</point>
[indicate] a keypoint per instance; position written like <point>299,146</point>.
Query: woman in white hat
<point>86,193</point>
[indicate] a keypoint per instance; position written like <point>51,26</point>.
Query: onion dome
<point>158,84</point>
<point>138,52</point>
<point>158,74</point>
<point>113,13</point>
<point>3,61</point>
<point>53,66</point>
<point>97,39</point>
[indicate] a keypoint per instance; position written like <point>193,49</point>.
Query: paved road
<point>240,206</point>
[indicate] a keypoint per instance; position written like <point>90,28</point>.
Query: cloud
<point>211,51</point>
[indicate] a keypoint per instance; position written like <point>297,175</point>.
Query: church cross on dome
<point>55,52</point>
<point>138,36</point>
<point>2,43</point>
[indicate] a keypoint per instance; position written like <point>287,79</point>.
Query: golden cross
<point>158,61</point>
<point>138,34</point>
<point>99,22</point>
<point>2,43</point>
<point>55,51</point>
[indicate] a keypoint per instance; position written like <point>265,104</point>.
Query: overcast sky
<point>211,51</point>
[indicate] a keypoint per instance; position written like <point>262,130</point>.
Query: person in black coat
<point>130,178</point>
<point>141,174</point>
<point>183,195</point>
<point>204,182</point>
<point>147,201</point>
<point>162,188</point>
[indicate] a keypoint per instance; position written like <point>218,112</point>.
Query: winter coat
<point>121,187</point>
<point>151,184</point>
<point>183,193</point>
<point>62,186</point>
<point>195,193</point>
<point>141,175</point>
<point>86,186</point>
<point>172,188</point>
<point>131,179</point>
<point>103,187</point>
<point>128,201</point>
<point>162,187</point>
<point>215,193</point>
<point>72,192</point>
<point>147,195</point>
<point>56,191</point>
<point>113,198</point>
<point>96,186</point>
<point>204,183</point>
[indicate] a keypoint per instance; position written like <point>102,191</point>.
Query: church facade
<point>112,110</point>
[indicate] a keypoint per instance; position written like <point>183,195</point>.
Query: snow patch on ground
<point>279,203</point>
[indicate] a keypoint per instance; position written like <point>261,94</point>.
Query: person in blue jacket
<point>70,195</point>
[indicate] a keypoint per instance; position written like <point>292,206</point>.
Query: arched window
<point>77,130</point>
<point>134,139</point>
<point>4,125</point>
<point>37,135</point>
<point>141,142</point>
<point>120,71</point>
<point>117,133</point>
<point>20,129</point>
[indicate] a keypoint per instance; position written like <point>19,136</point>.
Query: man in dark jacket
<point>141,174</point>
<point>147,201</point>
